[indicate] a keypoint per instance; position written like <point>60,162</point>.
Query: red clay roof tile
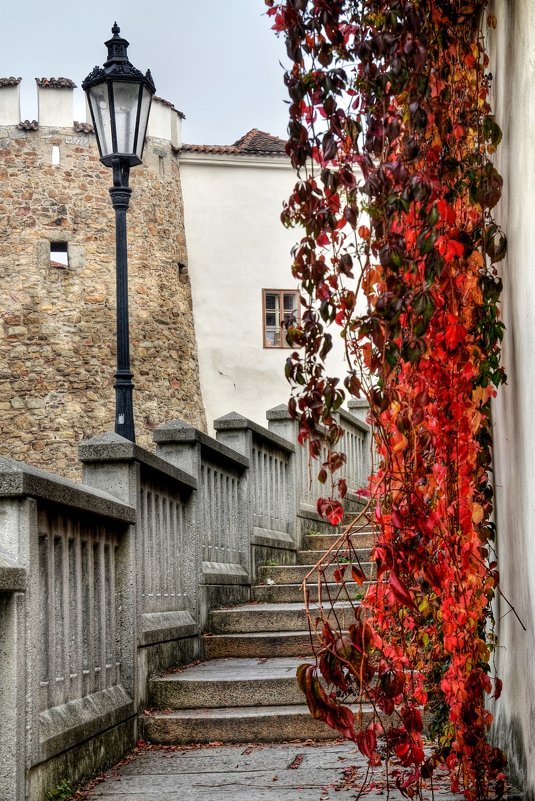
<point>55,83</point>
<point>255,142</point>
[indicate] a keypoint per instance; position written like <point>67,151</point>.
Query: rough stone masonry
<point>57,338</point>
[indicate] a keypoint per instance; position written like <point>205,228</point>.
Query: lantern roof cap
<point>117,66</point>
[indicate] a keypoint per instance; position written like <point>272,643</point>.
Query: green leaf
<point>492,131</point>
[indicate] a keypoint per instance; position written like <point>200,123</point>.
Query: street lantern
<point>119,98</point>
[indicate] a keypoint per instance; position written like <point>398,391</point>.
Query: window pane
<point>290,302</point>
<point>273,337</point>
<point>98,100</point>
<point>59,254</point>
<point>143,121</point>
<point>125,98</point>
<point>271,319</point>
<point>272,301</point>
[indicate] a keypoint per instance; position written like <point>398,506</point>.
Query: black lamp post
<point>119,97</point>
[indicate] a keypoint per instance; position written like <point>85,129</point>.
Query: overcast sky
<point>216,60</point>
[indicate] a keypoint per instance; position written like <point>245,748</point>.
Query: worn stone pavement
<point>281,772</point>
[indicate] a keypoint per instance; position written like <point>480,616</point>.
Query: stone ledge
<point>158,627</point>
<point>224,573</point>
<point>180,432</point>
<point>310,512</point>
<point>18,479</point>
<point>237,422</point>
<point>12,577</point>
<point>111,447</point>
<point>273,539</point>
<point>348,415</point>
<point>65,726</point>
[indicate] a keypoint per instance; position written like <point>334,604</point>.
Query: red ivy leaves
<point>331,509</point>
<point>389,116</point>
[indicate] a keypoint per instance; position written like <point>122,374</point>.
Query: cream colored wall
<point>237,246</point>
<point>512,49</point>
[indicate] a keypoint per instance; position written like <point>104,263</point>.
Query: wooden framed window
<point>279,308</point>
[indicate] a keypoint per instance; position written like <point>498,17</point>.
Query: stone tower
<point>57,282</point>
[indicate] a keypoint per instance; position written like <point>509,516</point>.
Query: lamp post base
<point>124,409</point>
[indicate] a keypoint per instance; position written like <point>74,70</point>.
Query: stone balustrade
<point>357,445</point>
<point>108,582</point>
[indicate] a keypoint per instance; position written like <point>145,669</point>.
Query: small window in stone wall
<point>55,155</point>
<point>59,255</point>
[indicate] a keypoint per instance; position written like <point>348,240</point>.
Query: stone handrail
<point>64,630</point>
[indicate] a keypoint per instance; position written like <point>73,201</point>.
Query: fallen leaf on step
<point>296,762</point>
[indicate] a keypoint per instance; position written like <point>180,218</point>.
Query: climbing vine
<point>392,133</point>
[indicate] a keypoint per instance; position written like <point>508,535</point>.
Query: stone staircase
<point>246,690</point>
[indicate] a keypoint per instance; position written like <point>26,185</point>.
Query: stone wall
<point>57,338</point>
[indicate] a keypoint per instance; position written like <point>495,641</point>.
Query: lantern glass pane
<point>146,98</point>
<point>100,108</point>
<point>125,100</point>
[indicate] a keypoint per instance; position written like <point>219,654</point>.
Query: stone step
<point>295,574</point>
<point>322,542</point>
<point>259,644</point>
<point>293,593</point>
<point>222,683</point>
<point>270,617</point>
<point>311,557</point>
<point>238,725</point>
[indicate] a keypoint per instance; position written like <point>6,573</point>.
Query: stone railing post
<point>107,465</point>
<point>281,423</point>
<point>359,407</point>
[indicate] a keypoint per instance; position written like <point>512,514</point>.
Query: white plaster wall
<point>10,105</point>
<point>512,50</point>
<point>55,106</point>
<point>237,246</point>
<point>164,123</point>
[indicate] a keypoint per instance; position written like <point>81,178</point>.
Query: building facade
<point>57,282</point>
<point>239,257</point>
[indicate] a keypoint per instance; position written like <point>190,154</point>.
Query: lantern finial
<point>117,47</point>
